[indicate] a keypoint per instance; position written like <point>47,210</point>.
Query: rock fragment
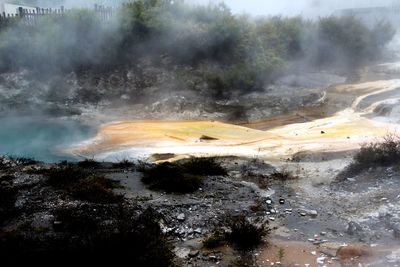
<point>181,217</point>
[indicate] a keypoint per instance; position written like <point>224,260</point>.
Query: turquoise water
<point>40,138</point>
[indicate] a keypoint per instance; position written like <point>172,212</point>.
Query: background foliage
<point>228,51</point>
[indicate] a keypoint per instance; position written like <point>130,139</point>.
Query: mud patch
<point>162,157</point>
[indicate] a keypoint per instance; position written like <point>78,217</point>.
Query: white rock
<point>313,213</point>
<point>181,217</point>
<point>321,260</point>
<point>182,253</point>
<point>198,230</point>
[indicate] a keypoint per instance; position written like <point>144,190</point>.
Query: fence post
<point>21,12</point>
<point>62,9</point>
<point>32,16</point>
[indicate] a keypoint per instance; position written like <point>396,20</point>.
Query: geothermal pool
<point>361,121</point>
<point>371,110</point>
<point>40,138</point>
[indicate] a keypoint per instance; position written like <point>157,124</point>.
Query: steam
<point>308,8</point>
<point>81,40</point>
<point>91,3</point>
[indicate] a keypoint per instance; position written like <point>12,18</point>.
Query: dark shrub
<point>88,163</point>
<point>83,239</point>
<point>24,161</point>
<point>379,153</point>
<point>83,185</point>
<point>95,189</point>
<point>244,234</point>
<point>170,177</point>
<point>184,176</point>
<point>61,177</point>
<point>216,239</point>
<point>3,166</point>
<point>203,166</point>
<point>80,221</point>
<point>123,164</point>
<point>283,175</point>
<point>138,240</point>
<point>8,197</point>
<point>384,153</point>
<point>259,179</point>
<point>155,250</point>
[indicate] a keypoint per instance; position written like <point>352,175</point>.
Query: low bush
<point>84,185</point>
<point>214,240</point>
<point>3,166</point>
<point>171,178</point>
<point>379,153</point>
<point>259,179</point>
<point>88,163</point>
<point>80,221</point>
<point>64,176</point>
<point>204,166</point>
<point>283,175</point>
<point>375,154</point>
<point>24,161</point>
<point>8,197</point>
<point>95,189</point>
<point>83,239</point>
<point>140,238</point>
<point>244,234</point>
<point>123,164</point>
<point>184,176</point>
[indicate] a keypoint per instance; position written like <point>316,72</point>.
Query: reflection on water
<point>40,138</point>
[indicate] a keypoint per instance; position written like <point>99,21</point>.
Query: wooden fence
<point>31,16</point>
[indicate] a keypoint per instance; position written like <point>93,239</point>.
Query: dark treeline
<point>227,51</point>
